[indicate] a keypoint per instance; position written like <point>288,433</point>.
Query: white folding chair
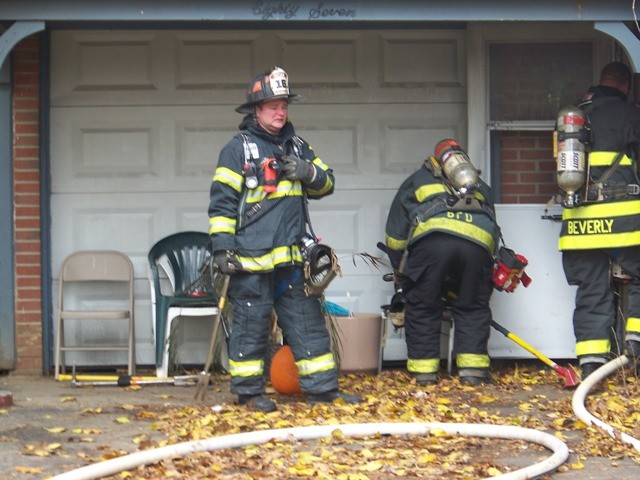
<point>80,299</point>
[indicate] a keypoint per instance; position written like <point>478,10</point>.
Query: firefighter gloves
<point>298,169</point>
<point>227,262</point>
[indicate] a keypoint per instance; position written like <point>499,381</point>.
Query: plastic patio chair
<point>79,299</point>
<point>180,258</point>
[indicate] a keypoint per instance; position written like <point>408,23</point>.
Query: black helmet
<point>267,85</point>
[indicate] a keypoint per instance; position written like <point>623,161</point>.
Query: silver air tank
<point>570,140</point>
<point>456,166</point>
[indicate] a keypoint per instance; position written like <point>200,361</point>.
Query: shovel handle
<point>523,344</point>
<point>216,327</point>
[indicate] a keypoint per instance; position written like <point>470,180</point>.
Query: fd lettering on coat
<point>462,216</point>
<point>589,227</point>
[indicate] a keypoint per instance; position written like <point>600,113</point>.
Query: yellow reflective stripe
<point>480,197</point>
<point>283,189</point>
<point>426,191</point>
<point>256,195</point>
<point>247,368</point>
<point>328,184</point>
<point>609,240</point>
<point>270,260</point>
<point>601,210</point>
<point>222,225</point>
<point>453,225</point>
<point>427,365</point>
<point>472,360</point>
<point>633,324</point>
<point>287,188</point>
<point>593,347</point>
<point>605,159</point>
<point>229,177</point>
<point>320,164</point>
<point>396,243</point>
<point>318,364</point>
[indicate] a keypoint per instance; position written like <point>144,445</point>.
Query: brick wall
<point>527,169</point>
<point>26,183</point>
<point>532,81</point>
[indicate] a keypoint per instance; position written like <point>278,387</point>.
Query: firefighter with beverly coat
<point>441,234</point>
<point>605,227</point>
<point>258,221</point>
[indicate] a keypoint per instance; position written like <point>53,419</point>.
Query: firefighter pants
<point>594,316</point>
<point>436,261</point>
<point>253,298</point>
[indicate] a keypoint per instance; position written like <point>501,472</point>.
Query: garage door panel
<point>213,67</point>
<point>339,51</point>
<point>226,61</point>
<point>102,63</point>
<point>423,62</point>
<point>199,144</point>
<point>152,148</point>
<point>94,147</point>
<point>407,143</point>
<point>350,224</point>
<point>131,223</point>
<point>390,141</point>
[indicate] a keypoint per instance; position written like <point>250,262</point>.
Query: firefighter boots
<point>632,348</point>
<point>330,396</point>
<point>257,402</point>
<point>589,368</point>
<point>475,376</point>
<point>425,379</point>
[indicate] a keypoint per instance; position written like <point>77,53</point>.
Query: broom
<point>203,378</point>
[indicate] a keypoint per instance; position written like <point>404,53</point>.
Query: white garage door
<point>138,119</point>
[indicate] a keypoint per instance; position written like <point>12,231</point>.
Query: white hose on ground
<point>579,397</point>
<point>134,460</point>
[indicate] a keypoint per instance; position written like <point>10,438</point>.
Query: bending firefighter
<point>601,227</point>
<point>441,235</point>
<point>258,221</point>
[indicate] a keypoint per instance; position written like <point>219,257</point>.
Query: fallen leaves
<point>394,397</point>
<point>522,396</point>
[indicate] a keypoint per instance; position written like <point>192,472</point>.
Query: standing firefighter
<point>604,226</point>
<point>258,222</point>
<point>441,232</point>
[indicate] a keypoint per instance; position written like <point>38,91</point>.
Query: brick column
<point>27,215</point>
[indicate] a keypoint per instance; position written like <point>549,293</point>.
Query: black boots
<point>425,379</point>
<point>263,404</point>
<point>330,396</point>
<point>589,368</point>
<point>632,348</point>
<point>474,376</point>
<point>257,402</point>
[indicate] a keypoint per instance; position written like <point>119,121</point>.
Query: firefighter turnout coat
<point>444,246</point>
<point>606,226</point>
<point>263,226</point>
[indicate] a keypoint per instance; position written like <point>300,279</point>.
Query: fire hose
<point>579,397</point>
<point>134,460</point>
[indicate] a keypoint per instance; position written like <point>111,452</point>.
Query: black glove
<point>298,169</point>
<point>227,262</point>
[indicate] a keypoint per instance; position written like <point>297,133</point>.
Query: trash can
<point>360,342</point>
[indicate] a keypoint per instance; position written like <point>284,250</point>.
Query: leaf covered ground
<point>53,428</point>
<point>393,397</point>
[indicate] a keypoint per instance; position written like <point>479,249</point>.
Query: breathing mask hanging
<point>320,265</point>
